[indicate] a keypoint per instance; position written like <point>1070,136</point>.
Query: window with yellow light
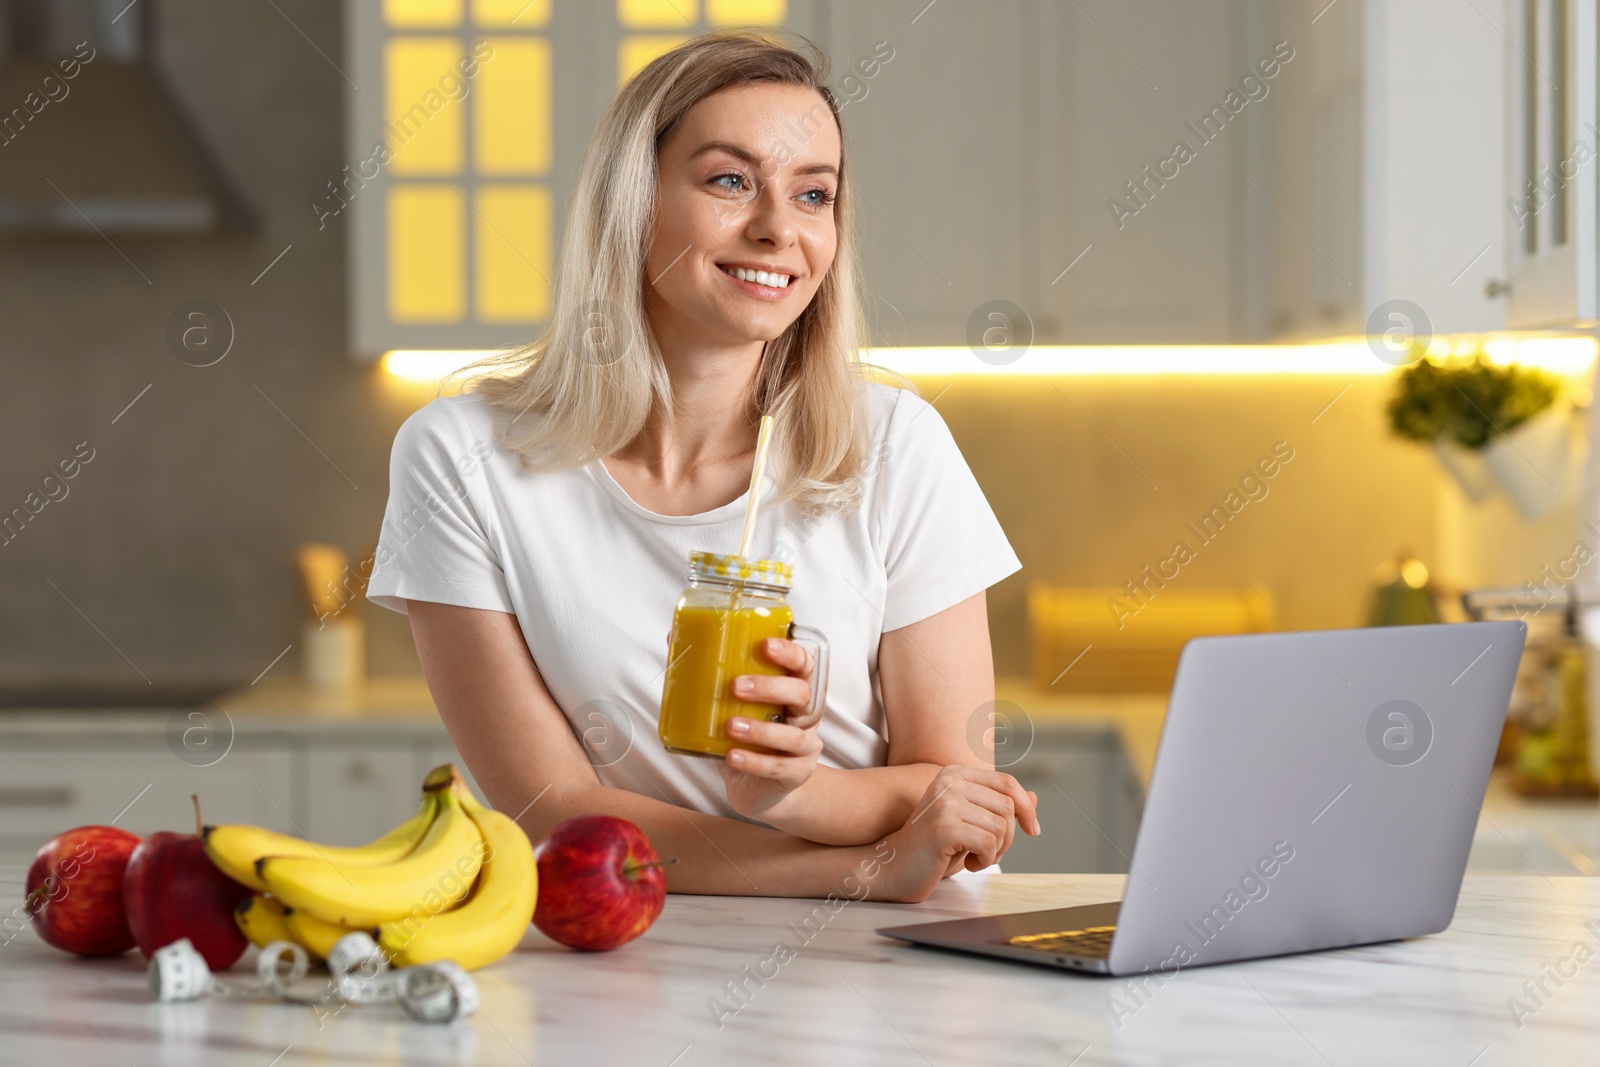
<point>467,103</point>
<point>652,27</point>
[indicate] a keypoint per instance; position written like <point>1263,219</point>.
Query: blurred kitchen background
<point>1247,314</point>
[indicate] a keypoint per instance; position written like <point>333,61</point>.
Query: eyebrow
<point>744,154</point>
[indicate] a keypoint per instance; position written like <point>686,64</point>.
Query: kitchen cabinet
<point>337,782</point>
<point>58,779</point>
<point>359,791</point>
<point>1385,158</point>
<point>450,192</point>
<point>995,181</point>
<point>973,188</point>
<point>1434,222</point>
<point>1552,162</point>
<point>1089,800</point>
<point>1386,170</point>
<point>1215,172</point>
<point>346,782</point>
<point>944,162</point>
<point>1169,251</point>
<point>466,126</point>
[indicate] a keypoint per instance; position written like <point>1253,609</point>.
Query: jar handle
<point>811,638</point>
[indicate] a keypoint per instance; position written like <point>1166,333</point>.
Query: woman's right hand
<point>966,818</point>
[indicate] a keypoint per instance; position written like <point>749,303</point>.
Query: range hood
<point>90,137</point>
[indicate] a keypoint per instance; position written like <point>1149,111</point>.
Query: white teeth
<point>760,277</point>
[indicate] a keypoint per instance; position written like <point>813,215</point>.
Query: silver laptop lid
<point>1313,790</point>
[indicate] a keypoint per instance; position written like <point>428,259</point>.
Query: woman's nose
<point>769,221</point>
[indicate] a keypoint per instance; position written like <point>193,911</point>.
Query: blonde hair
<point>592,378</point>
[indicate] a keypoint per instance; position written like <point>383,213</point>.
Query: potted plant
<point>1493,424</point>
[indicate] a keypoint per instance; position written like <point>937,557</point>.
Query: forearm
<point>710,855</point>
<point>527,760</point>
<point>852,807</point>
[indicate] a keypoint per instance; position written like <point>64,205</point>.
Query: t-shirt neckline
<point>734,509</point>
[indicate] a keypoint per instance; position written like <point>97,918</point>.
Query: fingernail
<point>738,726</point>
<point>743,685</point>
<point>736,756</point>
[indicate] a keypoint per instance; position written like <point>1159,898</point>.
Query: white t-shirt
<point>592,576</point>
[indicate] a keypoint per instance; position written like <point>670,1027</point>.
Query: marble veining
<point>738,980</point>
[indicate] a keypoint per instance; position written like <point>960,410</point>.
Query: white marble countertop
<point>848,996</point>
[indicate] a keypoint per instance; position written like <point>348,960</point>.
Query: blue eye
<point>737,179</point>
<point>824,198</point>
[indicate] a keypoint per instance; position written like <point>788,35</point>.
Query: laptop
<point>1312,790</point>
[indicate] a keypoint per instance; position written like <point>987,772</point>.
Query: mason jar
<point>728,607</point>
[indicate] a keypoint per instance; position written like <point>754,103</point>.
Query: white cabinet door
<point>942,159</point>
<point>1436,231</point>
<point>1067,781</point>
<point>359,792</point>
<point>1554,142</point>
<point>1126,246</point>
<point>1087,811</point>
<point>1010,152</point>
<point>1385,171</point>
<point>54,786</point>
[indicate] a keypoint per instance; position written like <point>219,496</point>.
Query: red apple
<point>600,883</point>
<point>75,891</point>
<point>173,890</point>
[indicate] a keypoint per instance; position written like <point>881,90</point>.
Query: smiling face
<point>745,229</point>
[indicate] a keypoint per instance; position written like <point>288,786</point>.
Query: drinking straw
<point>763,438</point>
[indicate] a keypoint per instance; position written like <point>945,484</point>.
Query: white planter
<point>1467,468</point>
<point>334,653</point>
<point>1539,464</point>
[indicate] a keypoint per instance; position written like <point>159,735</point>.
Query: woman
<point>539,523</point>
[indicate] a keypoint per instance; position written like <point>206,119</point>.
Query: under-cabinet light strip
<point>1567,356</point>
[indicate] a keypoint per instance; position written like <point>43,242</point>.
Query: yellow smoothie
<point>710,647</point>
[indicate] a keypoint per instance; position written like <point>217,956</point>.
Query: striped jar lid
<point>737,568</point>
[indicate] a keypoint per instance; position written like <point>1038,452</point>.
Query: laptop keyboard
<point>1093,941</point>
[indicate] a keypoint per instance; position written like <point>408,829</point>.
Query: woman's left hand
<point>759,783</point>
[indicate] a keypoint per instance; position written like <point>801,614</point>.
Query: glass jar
<point>729,606</point>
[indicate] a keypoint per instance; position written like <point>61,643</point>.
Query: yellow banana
<point>488,925</point>
<point>235,849</point>
<point>316,936</point>
<point>434,875</point>
<point>261,920</point>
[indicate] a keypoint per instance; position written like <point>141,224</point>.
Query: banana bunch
<point>457,881</point>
